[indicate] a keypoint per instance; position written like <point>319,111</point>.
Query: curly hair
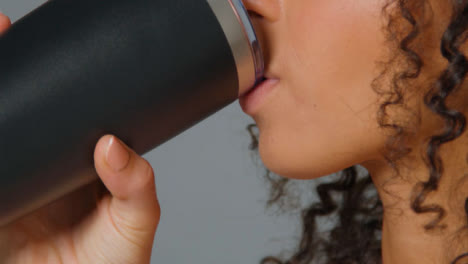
<point>351,196</point>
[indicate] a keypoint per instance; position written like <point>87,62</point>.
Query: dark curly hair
<point>351,196</point>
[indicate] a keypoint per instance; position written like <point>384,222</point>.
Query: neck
<point>404,239</point>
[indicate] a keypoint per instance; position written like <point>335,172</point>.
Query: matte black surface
<point>72,71</point>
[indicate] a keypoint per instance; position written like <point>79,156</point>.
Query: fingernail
<point>117,155</point>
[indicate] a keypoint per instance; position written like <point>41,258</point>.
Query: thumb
<point>133,206</point>
<point>5,22</point>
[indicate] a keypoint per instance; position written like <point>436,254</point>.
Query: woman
<point>368,82</point>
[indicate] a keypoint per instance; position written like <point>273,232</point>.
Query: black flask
<point>143,70</point>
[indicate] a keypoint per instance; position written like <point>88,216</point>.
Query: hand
<point>94,224</point>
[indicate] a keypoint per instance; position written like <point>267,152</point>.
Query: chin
<point>296,165</point>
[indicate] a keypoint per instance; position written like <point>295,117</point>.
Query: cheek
<point>334,46</point>
<point>326,121</point>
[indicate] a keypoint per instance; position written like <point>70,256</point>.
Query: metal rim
<point>235,22</point>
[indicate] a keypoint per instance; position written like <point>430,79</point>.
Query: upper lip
<point>268,75</point>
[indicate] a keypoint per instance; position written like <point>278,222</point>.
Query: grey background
<point>211,192</point>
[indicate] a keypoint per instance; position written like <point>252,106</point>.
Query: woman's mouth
<point>251,101</point>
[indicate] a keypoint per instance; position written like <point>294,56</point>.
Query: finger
<point>130,180</point>
<point>4,22</point>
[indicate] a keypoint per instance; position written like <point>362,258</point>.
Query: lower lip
<point>250,101</point>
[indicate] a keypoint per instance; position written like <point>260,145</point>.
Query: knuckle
<point>144,176</point>
<point>149,172</point>
<point>155,216</point>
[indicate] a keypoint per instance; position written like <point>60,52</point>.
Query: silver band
<point>235,22</point>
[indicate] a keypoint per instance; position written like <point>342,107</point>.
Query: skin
<point>305,52</point>
<point>319,119</point>
<point>321,116</point>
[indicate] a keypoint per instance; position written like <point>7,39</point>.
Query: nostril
<point>263,9</point>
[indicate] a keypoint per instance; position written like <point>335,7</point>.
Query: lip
<point>251,101</point>
<point>265,76</point>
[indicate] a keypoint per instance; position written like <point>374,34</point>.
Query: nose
<point>268,9</point>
